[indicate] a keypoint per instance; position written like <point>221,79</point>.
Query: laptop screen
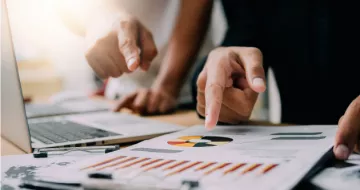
<point>13,121</point>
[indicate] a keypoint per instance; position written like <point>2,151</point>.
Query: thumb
<point>252,60</point>
<point>128,44</point>
<point>348,131</point>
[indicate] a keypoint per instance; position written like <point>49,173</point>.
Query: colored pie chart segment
<point>199,141</point>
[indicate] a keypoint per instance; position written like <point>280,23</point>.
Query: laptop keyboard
<point>65,131</point>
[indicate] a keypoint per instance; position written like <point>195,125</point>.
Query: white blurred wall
<point>38,33</point>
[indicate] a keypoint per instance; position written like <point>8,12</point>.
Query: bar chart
<point>179,169</point>
<point>231,157</point>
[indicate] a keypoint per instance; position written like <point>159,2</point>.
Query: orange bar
<point>159,165</point>
<point>133,163</point>
<point>217,168</point>
<point>268,168</point>
<point>205,166</point>
<point>234,168</point>
<point>117,163</point>
<point>151,162</point>
<point>251,168</point>
<point>175,165</point>
<point>103,162</point>
<point>184,168</point>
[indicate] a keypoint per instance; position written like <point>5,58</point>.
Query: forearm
<point>185,42</point>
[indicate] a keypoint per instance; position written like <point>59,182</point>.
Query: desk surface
<point>184,118</point>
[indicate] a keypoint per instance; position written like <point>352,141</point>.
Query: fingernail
<point>258,82</point>
<point>342,151</point>
<point>131,63</point>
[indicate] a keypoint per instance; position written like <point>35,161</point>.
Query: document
<point>228,157</point>
<point>341,176</point>
<point>15,168</point>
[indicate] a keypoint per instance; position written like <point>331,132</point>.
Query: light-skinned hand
<point>348,135</point>
<point>118,44</point>
<point>229,84</point>
<point>148,101</point>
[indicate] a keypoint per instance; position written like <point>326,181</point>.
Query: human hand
<point>148,101</point>
<point>229,84</point>
<point>348,134</point>
<point>119,44</point>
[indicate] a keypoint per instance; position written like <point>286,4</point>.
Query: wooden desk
<point>184,118</point>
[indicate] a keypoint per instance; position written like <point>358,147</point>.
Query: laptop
<point>74,106</point>
<point>98,128</point>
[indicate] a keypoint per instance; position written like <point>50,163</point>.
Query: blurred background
<point>51,57</point>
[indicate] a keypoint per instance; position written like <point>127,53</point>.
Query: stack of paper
<point>245,157</point>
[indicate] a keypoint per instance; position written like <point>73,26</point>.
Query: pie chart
<point>199,141</point>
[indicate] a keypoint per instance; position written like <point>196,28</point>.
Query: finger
<point>119,61</point>
<point>166,105</point>
<point>200,109</point>
<point>235,99</point>
<point>218,67</point>
<point>229,116</point>
<point>200,98</point>
<point>154,101</point>
<point>239,101</point>
<point>255,74</point>
<point>112,68</point>
<point>128,43</point>
<point>241,83</point>
<point>96,66</point>
<point>125,102</point>
<point>251,95</point>
<point>201,81</point>
<point>163,106</point>
<point>148,48</point>
<point>348,132</point>
<point>340,120</point>
<point>141,101</point>
<point>226,115</point>
<point>145,65</point>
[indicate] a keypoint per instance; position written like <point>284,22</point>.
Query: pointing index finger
<point>128,43</point>
<point>218,71</point>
